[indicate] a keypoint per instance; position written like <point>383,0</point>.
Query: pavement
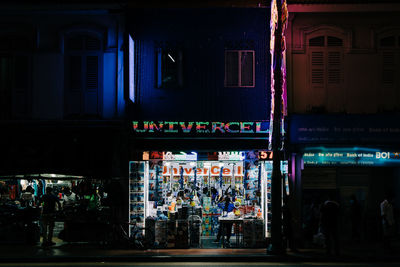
<point>84,252</point>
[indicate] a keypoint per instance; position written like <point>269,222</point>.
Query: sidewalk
<point>92,253</point>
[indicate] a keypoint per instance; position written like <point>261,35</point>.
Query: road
<point>210,264</point>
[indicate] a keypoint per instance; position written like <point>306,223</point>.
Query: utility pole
<point>276,246</point>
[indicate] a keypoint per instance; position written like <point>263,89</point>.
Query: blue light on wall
<point>350,156</point>
<point>131,69</point>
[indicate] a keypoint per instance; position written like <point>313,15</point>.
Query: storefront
<point>84,214</point>
<point>178,197</point>
<point>353,158</point>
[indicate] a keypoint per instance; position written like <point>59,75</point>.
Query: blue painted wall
<point>204,33</point>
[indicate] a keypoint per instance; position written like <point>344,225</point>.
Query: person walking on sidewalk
<point>388,223</point>
<point>329,225</point>
<point>49,201</point>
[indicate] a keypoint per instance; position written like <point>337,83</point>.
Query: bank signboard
<point>350,129</point>
<point>350,156</point>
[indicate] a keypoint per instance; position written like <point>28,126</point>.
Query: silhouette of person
<point>49,201</point>
<point>329,224</point>
<point>356,217</point>
<point>388,223</point>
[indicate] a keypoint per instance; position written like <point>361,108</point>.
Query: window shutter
<point>334,67</point>
<point>317,68</point>
<point>232,68</point>
<point>389,66</point>
<point>20,93</point>
<point>92,84</point>
<point>92,75</point>
<point>247,71</point>
<point>92,43</point>
<point>75,71</point>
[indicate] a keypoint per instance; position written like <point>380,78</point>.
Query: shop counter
<point>237,226</point>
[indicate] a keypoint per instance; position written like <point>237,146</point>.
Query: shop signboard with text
<point>355,156</point>
<point>350,129</point>
<point>201,128</point>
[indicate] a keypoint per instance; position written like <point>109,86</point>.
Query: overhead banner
<point>350,157</point>
<point>201,128</point>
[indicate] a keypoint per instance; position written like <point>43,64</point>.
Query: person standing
<point>388,223</point>
<point>226,228</point>
<point>49,201</point>
<point>356,218</point>
<point>329,225</point>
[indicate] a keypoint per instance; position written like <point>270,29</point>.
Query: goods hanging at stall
<point>178,197</point>
<point>83,214</point>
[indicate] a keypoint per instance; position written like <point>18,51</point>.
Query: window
<point>83,72</point>
<point>326,61</point>
<point>169,62</point>
<point>389,55</point>
<point>15,77</point>
<point>131,69</point>
<point>239,68</point>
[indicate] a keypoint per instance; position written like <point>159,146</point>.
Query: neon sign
<point>201,127</point>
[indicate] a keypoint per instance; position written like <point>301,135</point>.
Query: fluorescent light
<point>173,60</point>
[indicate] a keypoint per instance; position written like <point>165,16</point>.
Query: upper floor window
<point>326,61</point>
<point>389,47</point>
<point>15,76</point>
<point>239,68</point>
<point>83,76</point>
<point>169,65</point>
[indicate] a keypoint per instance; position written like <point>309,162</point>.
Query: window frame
<point>84,53</point>
<point>239,70</point>
<point>395,51</point>
<point>11,110</point>
<point>158,54</point>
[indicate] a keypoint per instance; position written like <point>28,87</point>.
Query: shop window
<point>169,67</point>
<point>83,72</point>
<point>239,68</point>
<point>15,77</point>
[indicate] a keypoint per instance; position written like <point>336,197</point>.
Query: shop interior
<point>83,215</point>
<point>178,199</point>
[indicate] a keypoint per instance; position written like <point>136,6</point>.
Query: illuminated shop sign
<point>201,127</point>
<point>213,169</point>
<point>180,156</point>
<point>350,157</point>
<point>232,155</point>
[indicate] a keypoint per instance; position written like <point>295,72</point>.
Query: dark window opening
<point>317,41</point>
<point>389,41</point>
<point>169,68</point>
<point>334,41</point>
<point>239,68</point>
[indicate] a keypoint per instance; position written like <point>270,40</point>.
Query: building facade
<point>61,89</point>
<point>343,102</point>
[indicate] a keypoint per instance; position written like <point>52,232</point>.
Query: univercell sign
<point>212,170</point>
<point>201,127</point>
